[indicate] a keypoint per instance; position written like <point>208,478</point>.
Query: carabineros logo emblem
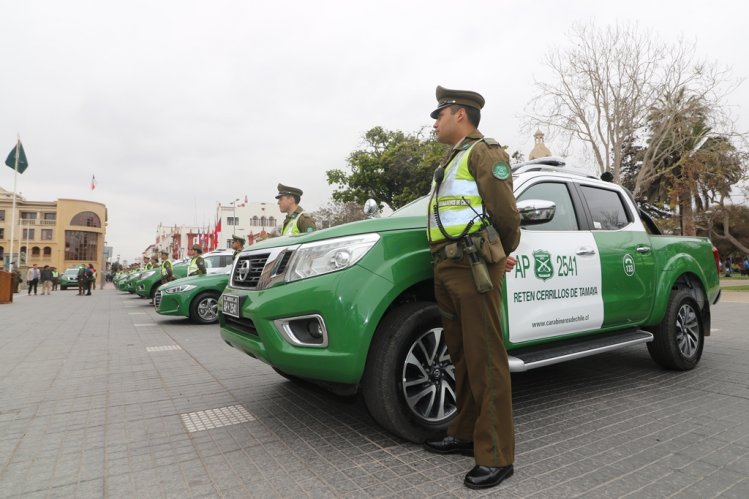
<point>501,171</point>
<point>543,267</point>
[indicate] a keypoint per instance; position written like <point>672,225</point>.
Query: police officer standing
<point>473,224</point>
<point>167,274</point>
<point>197,265</point>
<point>297,220</point>
<point>237,244</point>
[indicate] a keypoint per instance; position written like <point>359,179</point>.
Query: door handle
<point>586,251</point>
<point>643,249</point>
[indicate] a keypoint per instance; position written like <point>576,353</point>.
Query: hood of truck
<point>377,225</point>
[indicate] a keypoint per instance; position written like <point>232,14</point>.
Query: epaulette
<point>491,142</point>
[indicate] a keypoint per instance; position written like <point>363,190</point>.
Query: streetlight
<point>234,227</point>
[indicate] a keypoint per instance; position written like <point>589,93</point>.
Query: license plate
<point>231,305</point>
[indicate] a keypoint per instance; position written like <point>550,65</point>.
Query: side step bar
<point>525,359</point>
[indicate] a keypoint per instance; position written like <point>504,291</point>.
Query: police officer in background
<point>237,244</point>
<point>473,224</point>
<point>167,274</point>
<point>297,220</point>
<point>197,265</point>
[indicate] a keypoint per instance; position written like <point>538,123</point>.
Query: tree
<point>672,165</point>
<point>393,167</point>
<point>338,213</point>
<point>602,88</point>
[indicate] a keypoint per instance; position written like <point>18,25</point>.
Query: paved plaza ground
<point>102,397</point>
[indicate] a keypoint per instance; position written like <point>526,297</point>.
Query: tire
<point>409,345</point>
<point>63,288</point>
<point>154,289</point>
<point>204,308</point>
<point>680,337</point>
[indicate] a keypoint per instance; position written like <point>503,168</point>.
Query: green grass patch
<point>735,288</point>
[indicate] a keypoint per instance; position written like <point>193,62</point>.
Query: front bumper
<point>350,304</point>
<point>172,303</point>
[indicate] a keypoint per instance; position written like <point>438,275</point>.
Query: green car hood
<point>349,229</point>
<point>196,280</point>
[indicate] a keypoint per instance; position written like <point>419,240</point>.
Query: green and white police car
<point>352,307</point>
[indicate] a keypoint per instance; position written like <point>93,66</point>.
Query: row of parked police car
<point>352,307</point>
<point>195,297</point>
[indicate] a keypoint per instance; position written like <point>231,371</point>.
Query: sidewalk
<point>102,397</point>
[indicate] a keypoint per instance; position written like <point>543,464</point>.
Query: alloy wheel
<point>687,330</point>
<point>428,381</point>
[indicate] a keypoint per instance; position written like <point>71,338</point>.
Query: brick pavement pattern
<point>102,397</point>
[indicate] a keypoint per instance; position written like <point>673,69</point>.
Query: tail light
<point>717,259</point>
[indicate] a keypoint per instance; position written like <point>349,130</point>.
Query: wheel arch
<point>696,288</point>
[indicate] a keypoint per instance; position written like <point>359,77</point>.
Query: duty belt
<point>453,251</point>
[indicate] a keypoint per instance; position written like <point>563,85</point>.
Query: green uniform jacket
<point>497,194</point>
<point>306,222</point>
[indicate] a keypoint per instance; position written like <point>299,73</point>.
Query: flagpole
<point>13,215</point>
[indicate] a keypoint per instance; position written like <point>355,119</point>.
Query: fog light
<point>314,329</point>
<point>306,330</point>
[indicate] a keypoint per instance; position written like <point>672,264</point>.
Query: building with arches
<point>63,233</point>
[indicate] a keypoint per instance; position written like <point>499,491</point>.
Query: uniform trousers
<point>473,336</point>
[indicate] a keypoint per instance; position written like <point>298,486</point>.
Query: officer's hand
<point>510,263</point>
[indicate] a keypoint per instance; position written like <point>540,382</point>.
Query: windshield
<point>413,209</point>
<point>71,272</point>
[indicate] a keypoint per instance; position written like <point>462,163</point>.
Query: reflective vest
<point>148,266</point>
<point>458,200</point>
<point>164,273</point>
<point>193,267</point>
<point>293,226</point>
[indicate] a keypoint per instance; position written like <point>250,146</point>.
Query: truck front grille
<point>247,270</point>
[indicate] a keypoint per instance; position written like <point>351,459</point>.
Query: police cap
<point>285,190</point>
<point>447,97</point>
<point>237,238</point>
<point>164,252</point>
<point>197,247</point>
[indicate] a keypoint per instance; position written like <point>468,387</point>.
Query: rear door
<point>627,261</point>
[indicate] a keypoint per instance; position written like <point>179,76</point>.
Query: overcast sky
<point>178,105</point>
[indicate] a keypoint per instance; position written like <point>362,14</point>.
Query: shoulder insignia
<point>491,142</point>
<point>501,171</point>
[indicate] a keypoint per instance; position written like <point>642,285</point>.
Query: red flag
<point>93,182</point>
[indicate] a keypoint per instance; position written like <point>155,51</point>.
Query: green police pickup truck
<point>352,307</point>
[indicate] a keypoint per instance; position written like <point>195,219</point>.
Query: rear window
<point>607,208</point>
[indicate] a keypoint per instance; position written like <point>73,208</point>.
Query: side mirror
<point>370,208</point>
<point>536,211</point>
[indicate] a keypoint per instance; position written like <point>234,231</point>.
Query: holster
<point>489,244</point>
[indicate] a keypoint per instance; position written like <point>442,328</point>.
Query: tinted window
<point>606,208</point>
<point>564,216</point>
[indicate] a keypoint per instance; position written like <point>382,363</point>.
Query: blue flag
<point>22,161</point>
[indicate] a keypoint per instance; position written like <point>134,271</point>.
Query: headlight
<point>323,257</point>
<point>179,289</point>
<point>148,274</point>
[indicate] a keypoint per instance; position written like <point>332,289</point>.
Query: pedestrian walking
<point>46,279</point>
<point>32,278</point>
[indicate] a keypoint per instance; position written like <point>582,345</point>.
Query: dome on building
<point>539,149</point>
